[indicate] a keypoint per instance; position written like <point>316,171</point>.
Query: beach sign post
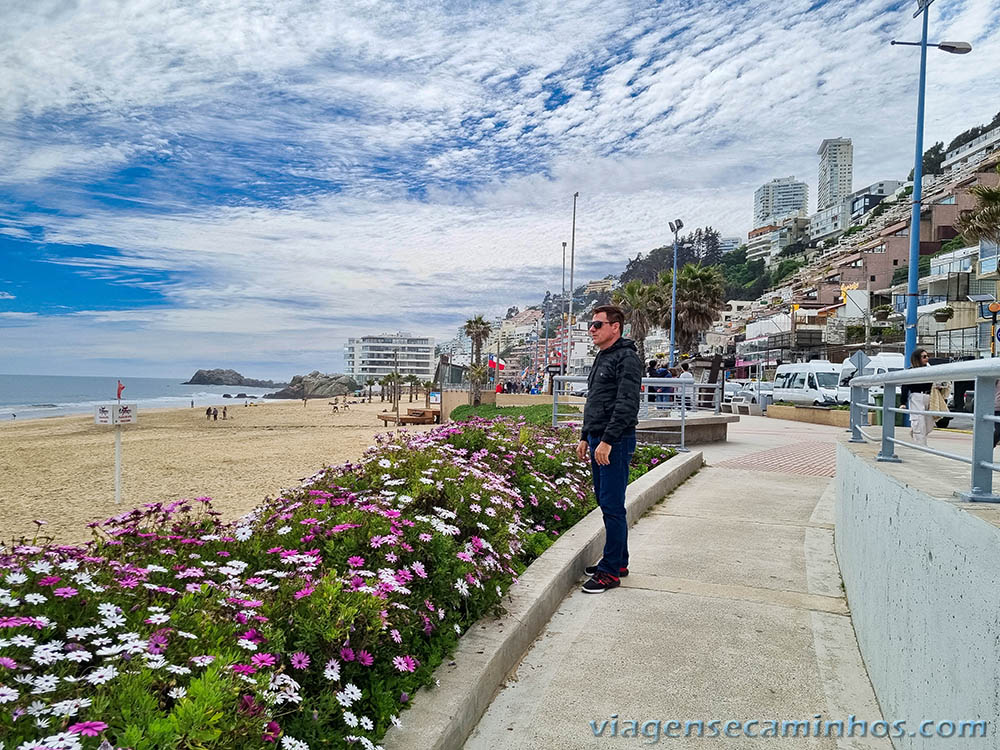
<point>117,414</point>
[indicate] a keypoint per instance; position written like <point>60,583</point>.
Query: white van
<point>807,383</point>
<point>880,364</point>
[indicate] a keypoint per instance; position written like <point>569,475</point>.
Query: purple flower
<point>263,660</point>
<point>300,660</point>
<point>355,561</point>
<point>405,663</point>
<point>347,653</point>
<point>243,669</point>
<point>6,661</point>
<point>88,728</point>
<point>365,659</point>
<point>249,706</point>
<point>271,732</point>
<point>66,592</point>
<point>303,593</point>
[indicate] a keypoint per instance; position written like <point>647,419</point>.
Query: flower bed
<point>307,623</point>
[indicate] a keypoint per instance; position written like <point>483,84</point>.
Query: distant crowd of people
<point>212,413</point>
<point>518,386</point>
<point>661,393</point>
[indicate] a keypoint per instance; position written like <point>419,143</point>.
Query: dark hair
<point>615,315</point>
<point>915,357</point>
<point>685,366</point>
<point>652,363</point>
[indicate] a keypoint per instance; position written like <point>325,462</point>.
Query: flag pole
<point>118,448</point>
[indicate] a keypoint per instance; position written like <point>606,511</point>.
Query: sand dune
<point>61,470</point>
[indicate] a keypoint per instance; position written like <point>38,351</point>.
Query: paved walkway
<point>734,610</point>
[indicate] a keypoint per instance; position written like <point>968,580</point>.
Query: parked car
<point>807,383</point>
<point>757,392</point>
<point>880,364</point>
<point>731,388</point>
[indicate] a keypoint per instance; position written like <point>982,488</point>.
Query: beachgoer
<point>215,415</point>
<point>192,403</point>
<point>208,412</point>
<point>608,436</point>
<point>223,412</point>
<point>917,397</point>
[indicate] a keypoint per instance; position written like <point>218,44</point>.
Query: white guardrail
<point>661,398</point>
<point>984,372</point>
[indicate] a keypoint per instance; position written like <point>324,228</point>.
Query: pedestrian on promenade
<point>917,397</point>
<point>651,368</point>
<point>687,378</point>
<point>608,437</point>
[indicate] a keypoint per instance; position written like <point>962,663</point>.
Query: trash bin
<point>877,415</point>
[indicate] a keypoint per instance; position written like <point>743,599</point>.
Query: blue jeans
<point>609,486</point>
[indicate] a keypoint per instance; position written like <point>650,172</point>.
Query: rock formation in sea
<point>228,377</point>
<point>317,385</point>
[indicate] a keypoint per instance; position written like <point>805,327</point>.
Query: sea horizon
<point>24,397</point>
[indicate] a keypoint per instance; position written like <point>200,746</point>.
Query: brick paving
<point>811,459</point>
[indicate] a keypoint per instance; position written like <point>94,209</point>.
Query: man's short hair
<point>685,366</point>
<point>615,315</point>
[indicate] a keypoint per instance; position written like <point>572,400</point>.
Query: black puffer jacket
<point>613,392</point>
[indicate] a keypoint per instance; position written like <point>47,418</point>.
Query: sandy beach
<point>61,470</point>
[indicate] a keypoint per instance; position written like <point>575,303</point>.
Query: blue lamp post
<point>675,226</point>
<point>958,48</point>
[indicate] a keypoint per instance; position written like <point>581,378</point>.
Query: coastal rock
<point>317,385</point>
<point>228,377</point>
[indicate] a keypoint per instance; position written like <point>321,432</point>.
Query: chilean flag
<point>493,362</point>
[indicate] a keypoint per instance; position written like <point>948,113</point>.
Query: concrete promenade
<point>734,611</point>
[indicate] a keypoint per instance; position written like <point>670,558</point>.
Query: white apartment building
<point>728,244</point>
<point>778,199</point>
<point>373,357</point>
<point>831,222</point>
<point>836,172</point>
<point>972,151</point>
<point>766,243</point>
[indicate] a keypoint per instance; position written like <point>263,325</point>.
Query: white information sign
<point>126,414</point>
<point>104,414</point>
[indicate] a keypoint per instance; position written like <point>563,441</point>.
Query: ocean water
<point>37,396</point>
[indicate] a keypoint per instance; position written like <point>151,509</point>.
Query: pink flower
<point>66,592</point>
<point>405,663</point>
<point>394,634</point>
<point>263,660</point>
<point>271,732</point>
<point>347,653</point>
<point>303,593</point>
<point>365,659</point>
<point>88,728</point>
<point>7,662</point>
<point>300,660</point>
<point>243,669</point>
<point>425,537</point>
<point>49,581</point>
<point>356,562</point>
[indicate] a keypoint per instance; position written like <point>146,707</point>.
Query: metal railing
<point>660,398</point>
<point>985,373</point>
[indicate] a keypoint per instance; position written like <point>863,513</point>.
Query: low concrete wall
<point>811,414</point>
<point>452,399</point>
<point>923,581</point>
<point>442,718</point>
<point>699,428</point>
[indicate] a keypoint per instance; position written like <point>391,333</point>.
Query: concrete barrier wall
<point>923,581</point>
<point>812,415</point>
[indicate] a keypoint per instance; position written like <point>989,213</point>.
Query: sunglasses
<point>598,324</point>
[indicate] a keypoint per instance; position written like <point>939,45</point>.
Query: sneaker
<point>600,583</point>
<point>592,569</point>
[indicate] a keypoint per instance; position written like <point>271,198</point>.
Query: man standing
<point>608,436</point>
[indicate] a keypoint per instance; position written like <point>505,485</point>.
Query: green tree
<point>700,296</point>
<point>642,305</point>
<point>477,376</point>
<point>413,381</point>
<point>982,222</point>
<point>478,329</point>
<point>933,159</point>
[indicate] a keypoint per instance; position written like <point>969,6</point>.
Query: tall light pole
<point>572,255</point>
<point>562,310</point>
<point>913,275</point>
<point>675,226</point>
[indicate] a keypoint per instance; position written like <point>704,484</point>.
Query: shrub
<point>307,623</point>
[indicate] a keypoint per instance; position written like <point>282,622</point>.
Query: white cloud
<point>403,165</point>
<point>6,295</point>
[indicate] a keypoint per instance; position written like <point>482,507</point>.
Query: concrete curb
<point>445,716</point>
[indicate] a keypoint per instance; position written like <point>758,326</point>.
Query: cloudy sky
<point>246,183</point>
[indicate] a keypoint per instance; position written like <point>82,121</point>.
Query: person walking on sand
<point>215,415</point>
<point>224,412</point>
<point>208,412</point>
<point>608,437</point>
<point>917,397</point>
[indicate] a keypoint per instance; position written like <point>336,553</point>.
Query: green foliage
<point>933,159</point>
<point>540,414</point>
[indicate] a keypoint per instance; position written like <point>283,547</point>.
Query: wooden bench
<point>387,417</point>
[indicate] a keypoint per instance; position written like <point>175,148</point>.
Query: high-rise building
<point>728,244</point>
<point>779,199</point>
<point>836,172</point>
<point>374,357</point>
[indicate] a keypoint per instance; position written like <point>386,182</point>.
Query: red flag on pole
<point>120,389</point>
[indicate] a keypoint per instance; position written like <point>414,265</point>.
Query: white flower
<point>177,693</point>
<point>284,530</point>
<point>15,579</point>
<point>185,634</point>
<point>332,671</point>
<point>290,743</point>
<point>63,741</point>
<point>156,609</point>
<point>158,619</point>
<point>458,629</point>
<point>155,661</point>
<point>79,656</point>
<point>69,565</point>
<point>7,694</point>
<point>45,683</point>
<point>25,641</point>
<point>69,707</point>
<point>344,699</point>
<point>352,690</point>
<point>178,669</point>
<point>385,463</point>
<point>350,719</point>
<point>243,533</point>
<point>113,621</point>
<point>37,708</point>
<point>395,721</point>
<point>202,661</point>
<point>367,723</point>
<point>41,567</point>
<point>42,722</point>
<point>83,578</point>
<point>156,569</point>
<point>248,645</point>
<point>102,675</point>
<point>462,587</point>
<point>77,634</point>
<point>106,609</point>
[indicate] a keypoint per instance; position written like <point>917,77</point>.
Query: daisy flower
<point>88,728</point>
<point>300,660</point>
<point>332,670</point>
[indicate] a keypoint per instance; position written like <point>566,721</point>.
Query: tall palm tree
<point>477,376</point>
<point>641,304</point>
<point>428,386</point>
<point>982,222</point>
<point>701,294</point>
<point>412,381</point>
<point>478,329</point>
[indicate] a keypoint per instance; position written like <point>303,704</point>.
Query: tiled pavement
<point>813,459</point>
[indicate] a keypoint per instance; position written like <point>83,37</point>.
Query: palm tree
<point>477,376</point>
<point>982,222</point>
<point>701,294</point>
<point>428,386</point>
<point>383,383</point>
<point>641,304</point>
<point>478,329</point>
<point>413,381</point>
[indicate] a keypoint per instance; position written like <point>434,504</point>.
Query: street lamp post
<point>572,256</point>
<point>675,226</point>
<point>958,48</point>
<point>562,310</point>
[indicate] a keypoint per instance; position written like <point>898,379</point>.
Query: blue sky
<point>231,184</point>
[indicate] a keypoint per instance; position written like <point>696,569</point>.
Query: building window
<point>895,261</point>
<point>871,278</point>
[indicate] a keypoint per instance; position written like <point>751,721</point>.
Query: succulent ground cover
<point>308,623</point>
